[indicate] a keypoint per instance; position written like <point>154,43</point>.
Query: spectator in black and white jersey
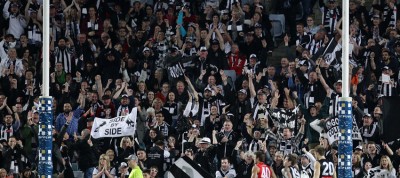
<point>9,128</point>
<point>369,131</point>
<point>387,82</point>
<point>288,143</point>
<point>63,54</point>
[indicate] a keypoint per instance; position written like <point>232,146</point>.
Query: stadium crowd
<point>202,79</point>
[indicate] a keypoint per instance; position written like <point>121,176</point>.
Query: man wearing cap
<point>125,105</point>
<point>136,172</point>
<point>205,104</point>
<point>205,154</point>
<point>369,131</point>
<point>174,63</point>
<point>216,53</point>
<point>254,65</point>
<point>200,63</point>
<point>334,94</point>
<point>16,21</point>
<point>387,84</point>
<point>240,107</point>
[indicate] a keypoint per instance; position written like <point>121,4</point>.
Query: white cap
<point>205,140</point>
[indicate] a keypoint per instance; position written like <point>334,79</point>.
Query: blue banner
<point>45,167</point>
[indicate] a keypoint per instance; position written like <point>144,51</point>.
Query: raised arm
<point>251,86</point>
<point>220,39</point>
<point>197,42</point>
<point>208,37</point>
<point>322,80</point>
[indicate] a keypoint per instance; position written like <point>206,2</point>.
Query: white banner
<point>332,127</point>
<point>115,127</point>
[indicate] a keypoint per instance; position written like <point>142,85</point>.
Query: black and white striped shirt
<point>64,56</point>
<point>387,88</point>
<point>330,18</point>
<point>334,103</point>
<point>314,45</point>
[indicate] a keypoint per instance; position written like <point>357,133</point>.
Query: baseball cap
<point>243,91</point>
<point>385,68</point>
<point>203,48</point>
<point>207,88</point>
<point>214,42</point>
<point>123,165</point>
<point>132,157</point>
<point>366,115</point>
<point>305,156</point>
<point>359,147</point>
<point>257,25</point>
<point>253,56</point>
<point>14,5</point>
<point>124,96</point>
<point>146,49</point>
<point>173,49</point>
<point>304,63</point>
<point>205,140</point>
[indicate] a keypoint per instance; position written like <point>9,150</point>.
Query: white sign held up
<point>115,127</point>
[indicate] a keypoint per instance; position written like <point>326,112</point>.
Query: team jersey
<point>326,168</point>
<point>265,171</point>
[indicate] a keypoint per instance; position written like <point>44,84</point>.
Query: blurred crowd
<point>202,77</point>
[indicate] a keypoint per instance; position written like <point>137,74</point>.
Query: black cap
<point>214,42</point>
<point>257,25</point>
<point>109,53</point>
<point>173,49</point>
<point>14,5</point>
<point>90,119</point>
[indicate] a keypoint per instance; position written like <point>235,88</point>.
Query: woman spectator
<point>104,169</point>
<point>126,148</point>
<point>149,101</point>
<point>151,137</point>
<point>385,169</point>
<point>212,122</point>
<point>356,167</point>
<point>367,166</point>
<point>311,28</point>
<point>216,23</point>
<point>111,156</point>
